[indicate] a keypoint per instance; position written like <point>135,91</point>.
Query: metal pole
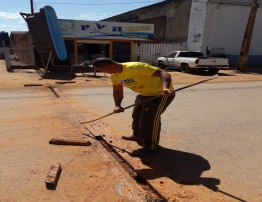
<point>47,63</point>
<point>242,59</point>
<point>155,97</point>
<point>32,7</point>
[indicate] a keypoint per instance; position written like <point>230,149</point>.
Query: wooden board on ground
<point>76,142</point>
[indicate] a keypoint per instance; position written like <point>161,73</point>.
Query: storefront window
<point>121,51</point>
<point>88,52</point>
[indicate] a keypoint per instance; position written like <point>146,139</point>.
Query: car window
<point>191,54</point>
<point>172,55</point>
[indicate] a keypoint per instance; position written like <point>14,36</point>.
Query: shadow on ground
<point>67,75</point>
<point>182,167</point>
<point>254,70</point>
<point>249,70</point>
<point>206,73</point>
<point>203,73</point>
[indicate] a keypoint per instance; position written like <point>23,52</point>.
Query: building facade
<point>216,27</point>
<point>87,40</point>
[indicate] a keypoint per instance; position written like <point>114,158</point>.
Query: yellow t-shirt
<point>137,77</point>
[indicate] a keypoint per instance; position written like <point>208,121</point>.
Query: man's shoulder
<point>139,68</point>
<point>133,65</point>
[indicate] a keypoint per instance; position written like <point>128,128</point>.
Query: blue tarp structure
<point>4,36</point>
<point>46,34</point>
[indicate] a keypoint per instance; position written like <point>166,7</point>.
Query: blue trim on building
<point>253,60</point>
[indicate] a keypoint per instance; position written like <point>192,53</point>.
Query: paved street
<point>209,143</point>
<point>29,118</point>
<point>211,134</point>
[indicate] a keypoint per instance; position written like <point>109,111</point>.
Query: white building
<point>219,27</point>
<point>212,26</point>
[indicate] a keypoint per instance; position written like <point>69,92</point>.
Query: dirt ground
<point>32,118</point>
<point>29,76</point>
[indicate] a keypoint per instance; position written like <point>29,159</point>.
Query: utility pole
<point>243,56</point>
<point>32,7</point>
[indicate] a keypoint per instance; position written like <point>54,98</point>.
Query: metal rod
<point>47,63</point>
<point>32,7</point>
<point>155,97</point>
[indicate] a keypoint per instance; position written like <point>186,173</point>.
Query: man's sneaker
<point>130,138</point>
<point>142,151</point>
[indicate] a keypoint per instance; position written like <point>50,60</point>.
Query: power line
<point>100,4</point>
<point>235,2</point>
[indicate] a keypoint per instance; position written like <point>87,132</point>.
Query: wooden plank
<point>64,82</point>
<point>32,84</point>
<point>79,142</point>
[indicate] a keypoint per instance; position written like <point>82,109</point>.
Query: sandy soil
<point>79,183</point>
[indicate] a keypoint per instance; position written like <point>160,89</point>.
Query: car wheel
<point>161,65</point>
<point>185,68</point>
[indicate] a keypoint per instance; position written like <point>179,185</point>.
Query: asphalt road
<point>221,123</point>
<point>30,117</point>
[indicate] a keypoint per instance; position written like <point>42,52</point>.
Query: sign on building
<point>106,30</point>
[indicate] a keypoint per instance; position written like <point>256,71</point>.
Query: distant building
<point>4,42</point>
<point>215,27</point>
<point>87,40</point>
<point>4,39</point>
<point>20,39</point>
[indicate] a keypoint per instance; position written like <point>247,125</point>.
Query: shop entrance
<point>89,51</point>
<point>122,51</point>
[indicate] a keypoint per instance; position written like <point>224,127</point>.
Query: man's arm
<point>118,97</point>
<point>165,79</point>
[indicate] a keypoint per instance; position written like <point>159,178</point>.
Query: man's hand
<point>167,92</point>
<point>118,109</point>
<point>118,97</point>
<point>166,81</point>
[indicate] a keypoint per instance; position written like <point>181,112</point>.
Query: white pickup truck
<point>188,60</point>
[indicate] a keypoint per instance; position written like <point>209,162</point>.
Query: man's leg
<point>135,123</point>
<point>150,122</point>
